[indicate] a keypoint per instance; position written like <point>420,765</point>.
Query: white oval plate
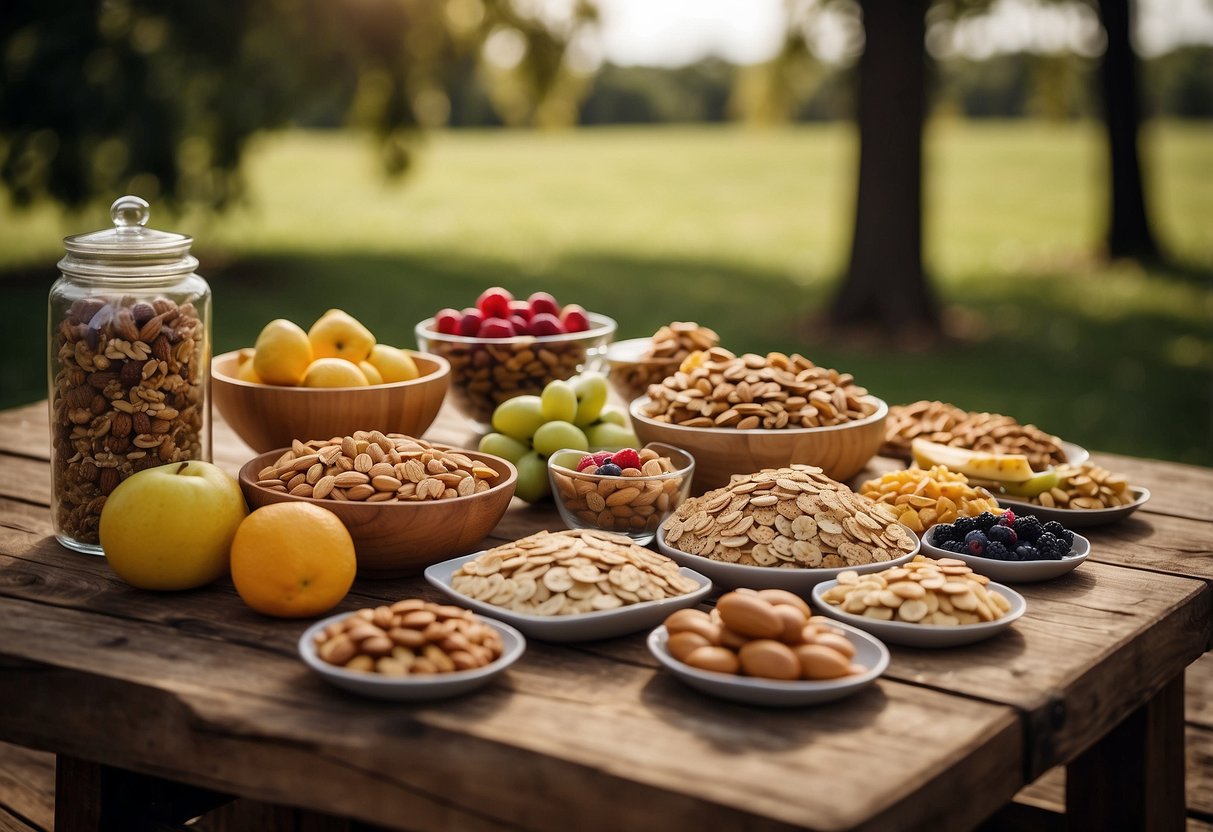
<point>1075,454</point>
<point>869,652</point>
<point>926,635</point>
<point>586,626</point>
<point>1077,517</point>
<point>800,581</point>
<point>411,688</point>
<point>1014,572</point>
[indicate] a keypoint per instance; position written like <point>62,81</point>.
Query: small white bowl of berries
<point>1009,548</point>
<point>627,491</point>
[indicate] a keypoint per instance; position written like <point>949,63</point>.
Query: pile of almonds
<point>770,634</point>
<point>679,339</point>
<point>636,500</point>
<point>1086,486</point>
<point>948,424</point>
<point>755,391</point>
<point>410,638</point>
<point>376,467</point>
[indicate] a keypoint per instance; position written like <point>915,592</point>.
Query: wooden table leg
<point>1133,778</point>
<point>90,797</point>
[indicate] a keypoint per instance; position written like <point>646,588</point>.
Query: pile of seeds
<point>755,391</point>
<point>948,424</point>
<point>943,592</point>
<point>374,467</point>
<point>1086,486</point>
<point>788,517</point>
<point>570,572</point>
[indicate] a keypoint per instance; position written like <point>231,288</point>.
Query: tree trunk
<point>885,283</point>
<point>1128,232</point>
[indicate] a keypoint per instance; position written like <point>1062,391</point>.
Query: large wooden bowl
<point>840,450</point>
<point>267,416</point>
<point>402,538</point>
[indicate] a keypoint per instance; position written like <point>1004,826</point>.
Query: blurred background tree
<point>105,96</point>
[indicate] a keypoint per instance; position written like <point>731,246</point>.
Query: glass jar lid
<point>130,248</point>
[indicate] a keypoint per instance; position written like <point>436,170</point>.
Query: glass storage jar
<point>130,348</point>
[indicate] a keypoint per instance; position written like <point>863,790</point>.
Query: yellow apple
<point>393,364</point>
<point>371,372</point>
<point>334,372</point>
<point>338,335</point>
<point>282,353</point>
<point>244,356</point>
<point>246,372</point>
<point>171,527</point>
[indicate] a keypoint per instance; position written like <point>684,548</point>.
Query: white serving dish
<point>800,581</point>
<point>1077,517</point>
<point>1075,454</point>
<point>926,635</point>
<point>1014,572</point>
<point>869,652</point>
<point>411,688</point>
<point>588,626</point>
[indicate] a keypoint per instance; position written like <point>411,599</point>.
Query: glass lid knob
<point>130,213</point>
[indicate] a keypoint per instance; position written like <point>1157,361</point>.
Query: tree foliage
<point>103,96</point>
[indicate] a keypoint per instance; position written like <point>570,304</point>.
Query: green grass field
<point>742,230</point>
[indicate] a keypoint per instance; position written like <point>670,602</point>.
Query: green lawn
<point>743,230</point>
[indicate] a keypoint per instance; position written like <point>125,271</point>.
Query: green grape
<point>553,436</point>
<point>559,402</point>
<point>532,478</point>
<point>606,436</point>
<point>519,417</point>
<point>498,444</point>
<point>592,390</point>
<point>613,415</point>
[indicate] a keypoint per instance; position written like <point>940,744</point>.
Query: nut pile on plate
<point>943,592</point>
<point>948,424</point>
<point>1085,486</point>
<point>793,517</point>
<point>922,497</point>
<point>756,391</point>
<point>570,572</point>
<point>679,339</point>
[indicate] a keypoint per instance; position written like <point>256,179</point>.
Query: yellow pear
<point>393,364</point>
<point>334,372</point>
<point>282,353</point>
<point>245,372</point>
<point>338,335</point>
<point>244,356</point>
<point>371,372</point>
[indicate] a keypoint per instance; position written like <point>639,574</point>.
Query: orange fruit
<point>292,560</point>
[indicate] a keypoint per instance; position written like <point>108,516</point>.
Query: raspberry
<point>585,462</point>
<point>626,458</point>
<point>1007,519</point>
<point>609,469</point>
<point>602,457</point>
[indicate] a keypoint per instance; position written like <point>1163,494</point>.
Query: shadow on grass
<point>1137,384</point>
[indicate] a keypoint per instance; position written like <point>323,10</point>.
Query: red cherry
<point>496,328</point>
<point>520,307</point>
<point>447,321</point>
<point>494,303</point>
<point>521,325</point>
<point>574,319</point>
<point>469,323</point>
<point>543,302</point>
<point>545,323</point>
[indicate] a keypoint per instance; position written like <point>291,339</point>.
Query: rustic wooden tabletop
<point>194,697</point>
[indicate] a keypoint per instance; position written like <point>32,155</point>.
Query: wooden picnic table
<point>169,704</point>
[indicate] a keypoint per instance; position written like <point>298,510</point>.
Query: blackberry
<point>975,542</point>
<point>1051,546</point>
<point>986,519</point>
<point>1060,531</point>
<point>963,526</point>
<point>943,533</point>
<point>954,546</point>
<point>1026,551</point>
<point>1028,528</point>
<point>1003,534</point>
<point>997,551</point>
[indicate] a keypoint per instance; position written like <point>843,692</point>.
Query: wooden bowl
<point>267,416</point>
<point>840,450</point>
<point>402,538</point>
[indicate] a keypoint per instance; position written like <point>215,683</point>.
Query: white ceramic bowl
<point>588,626</point>
<point>799,581</point>
<point>411,688</point>
<point>869,652</point>
<point>926,635</point>
<point>1077,517</point>
<point>1014,572</point>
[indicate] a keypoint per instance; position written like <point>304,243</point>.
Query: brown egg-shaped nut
<point>732,640</point>
<point>406,637</point>
<point>769,659</point>
<point>338,650</point>
<point>417,619</point>
<point>837,642</point>
<point>363,664</point>
<point>782,596</point>
<point>363,630</point>
<point>820,662</point>
<point>793,623</point>
<point>377,646</point>
<point>681,644</point>
<point>749,615</point>
<point>718,659</point>
<point>697,622</point>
